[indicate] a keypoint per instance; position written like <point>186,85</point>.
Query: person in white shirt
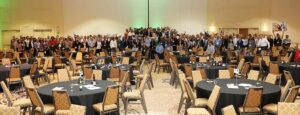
<point>263,43</point>
<point>113,44</point>
<point>210,49</point>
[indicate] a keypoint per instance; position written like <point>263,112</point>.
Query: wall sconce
<point>212,28</point>
<point>265,28</point>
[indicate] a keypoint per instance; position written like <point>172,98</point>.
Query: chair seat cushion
<point>249,110</point>
<point>114,79</point>
<point>271,108</point>
<point>135,94</point>
<point>22,102</point>
<point>14,79</point>
<point>99,107</point>
<point>197,111</point>
<point>136,72</point>
<point>48,108</point>
<point>201,102</point>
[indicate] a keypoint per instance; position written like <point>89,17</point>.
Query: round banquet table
<point>4,71</point>
<point>85,97</point>
<point>212,72</point>
<point>293,68</point>
<point>235,97</point>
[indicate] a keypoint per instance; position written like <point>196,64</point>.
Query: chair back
<point>246,68</point>
<point>61,100</point>
<point>50,62</point>
<point>224,74</point>
<point>6,110</point>
<point>253,97</point>
<point>213,98</point>
<point>253,75</point>
<point>145,78</point>
<point>141,66</point>
<point>34,97</point>
<point>111,96</point>
<point>274,68</point>
<point>125,78</point>
<point>203,59</point>
<point>241,63</point>
<point>27,81</point>
<point>33,68</point>
<point>46,63</point>
<point>188,70</point>
<point>125,60</point>
<point>218,59</point>
<point>57,59</point>
<point>114,72</point>
<point>78,56</point>
<point>88,73</point>
<point>41,54</point>
<point>288,108</point>
<point>102,54</point>
<point>6,61</point>
<point>97,74</point>
<point>266,59</point>
<point>196,74</point>
<point>193,59</point>
<point>271,78</point>
<point>288,76</point>
<point>203,73</point>
<point>189,90</point>
<point>228,110</point>
<point>14,72</point>
<point>285,90</point>
<point>63,75</point>
<point>181,79</point>
<point>291,97</point>
<point>7,93</point>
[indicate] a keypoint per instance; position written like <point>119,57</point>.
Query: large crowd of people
<point>154,39</point>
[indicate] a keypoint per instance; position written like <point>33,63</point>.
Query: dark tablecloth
<point>4,71</point>
<point>85,97</point>
<point>291,67</point>
<point>271,93</point>
<point>212,72</point>
<point>63,59</point>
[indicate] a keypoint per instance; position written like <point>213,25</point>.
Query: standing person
<point>278,39</point>
<point>152,48</point>
<point>210,49</point>
<point>98,45</point>
<point>52,42</point>
<point>271,41</point>
<point>113,45</point>
<point>245,42</point>
<point>263,43</point>
<point>286,42</point>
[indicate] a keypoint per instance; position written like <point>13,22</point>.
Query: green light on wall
<point>4,4</point>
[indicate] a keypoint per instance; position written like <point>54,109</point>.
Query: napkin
<point>57,88</point>
<point>232,86</point>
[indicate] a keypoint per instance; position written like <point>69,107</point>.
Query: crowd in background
<point>154,39</point>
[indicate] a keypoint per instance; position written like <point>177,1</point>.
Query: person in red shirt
<point>52,42</point>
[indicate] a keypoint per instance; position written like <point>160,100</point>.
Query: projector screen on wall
<point>114,16</point>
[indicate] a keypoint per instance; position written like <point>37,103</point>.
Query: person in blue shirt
<point>159,50</point>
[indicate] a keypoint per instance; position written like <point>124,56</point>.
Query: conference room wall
<point>113,16</point>
<point>28,15</point>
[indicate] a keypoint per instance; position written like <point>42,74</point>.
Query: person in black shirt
<point>270,39</point>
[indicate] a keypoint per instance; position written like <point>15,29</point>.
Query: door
<point>243,31</point>
<point>7,36</point>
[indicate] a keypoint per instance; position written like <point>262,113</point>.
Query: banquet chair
<point>252,102</point>
<point>224,74</point>
<point>183,96</point>
<point>253,75</point>
<point>74,68</point>
<point>137,94</point>
<point>110,102</point>
<point>290,98</point>
<point>114,59</point>
<point>211,104</point>
<point>97,74</point>
<point>125,60</point>
<point>38,105</point>
<point>188,71</point>
<point>245,70</point>
<point>41,54</point>
<point>203,73</point>
<point>28,81</point>
<point>267,60</point>
<point>271,78</point>
<point>255,61</point>
<point>229,110</point>
<point>39,61</point>
<point>88,73</point>
<point>240,64</point>
<point>203,59</point>
<point>23,103</point>
<point>133,54</point>
<point>58,62</point>
<point>159,64</point>
<point>218,59</point>
<point>44,72</point>
<point>125,83</point>
<point>78,58</point>
<point>14,76</point>
<point>193,59</point>
<point>136,64</point>
<point>102,54</point>
<point>285,90</point>
<point>192,100</point>
<point>196,74</point>
<point>6,110</point>
<point>63,106</point>
<point>119,53</point>
<point>140,71</point>
<point>50,68</point>
<point>6,61</point>
<point>288,108</point>
<point>288,76</point>
<point>274,68</point>
<point>149,81</point>
<point>114,74</point>
<point>33,73</point>
<point>63,75</point>
<point>173,74</point>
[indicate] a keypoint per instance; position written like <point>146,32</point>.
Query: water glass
<point>71,87</point>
